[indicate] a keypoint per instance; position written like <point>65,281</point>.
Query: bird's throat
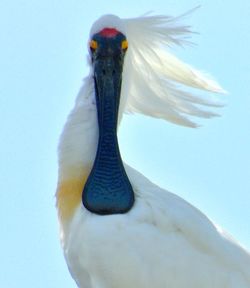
<point>108,190</point>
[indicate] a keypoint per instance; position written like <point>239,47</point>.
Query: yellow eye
<point>93,44</point>
<point>124,44</point>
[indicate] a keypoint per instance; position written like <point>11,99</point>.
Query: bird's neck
<point>76,152</point>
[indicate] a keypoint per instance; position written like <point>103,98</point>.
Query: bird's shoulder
<point>168,210</point>
<point>172,214</point>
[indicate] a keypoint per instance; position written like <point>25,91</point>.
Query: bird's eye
<point>124,44</point>
<point>93,45</point>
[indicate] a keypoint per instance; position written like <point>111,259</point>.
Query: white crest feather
<point>152,76</point>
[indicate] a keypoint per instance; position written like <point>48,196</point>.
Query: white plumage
<point>162,241</point>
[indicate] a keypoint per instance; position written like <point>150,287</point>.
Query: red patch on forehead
<point>108,32</point>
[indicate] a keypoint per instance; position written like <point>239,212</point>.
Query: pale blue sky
<point>42,61</point>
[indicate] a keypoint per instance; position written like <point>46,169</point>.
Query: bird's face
<point>108,48</point>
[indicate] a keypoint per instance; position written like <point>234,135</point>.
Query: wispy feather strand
<point>153,77</point>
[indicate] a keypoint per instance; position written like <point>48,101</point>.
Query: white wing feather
<point>162,242</point>
<point>152,74</point>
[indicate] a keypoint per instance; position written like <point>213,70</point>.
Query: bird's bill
<point>108,190</point>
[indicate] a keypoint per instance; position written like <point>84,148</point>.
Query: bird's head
<point>152,80</point>
<point>108,45</point>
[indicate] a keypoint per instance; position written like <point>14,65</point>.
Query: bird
<point>117,228</point>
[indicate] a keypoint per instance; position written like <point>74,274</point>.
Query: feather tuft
<point>154,79</point>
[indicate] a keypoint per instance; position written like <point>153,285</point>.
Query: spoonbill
<point>118,229</point>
